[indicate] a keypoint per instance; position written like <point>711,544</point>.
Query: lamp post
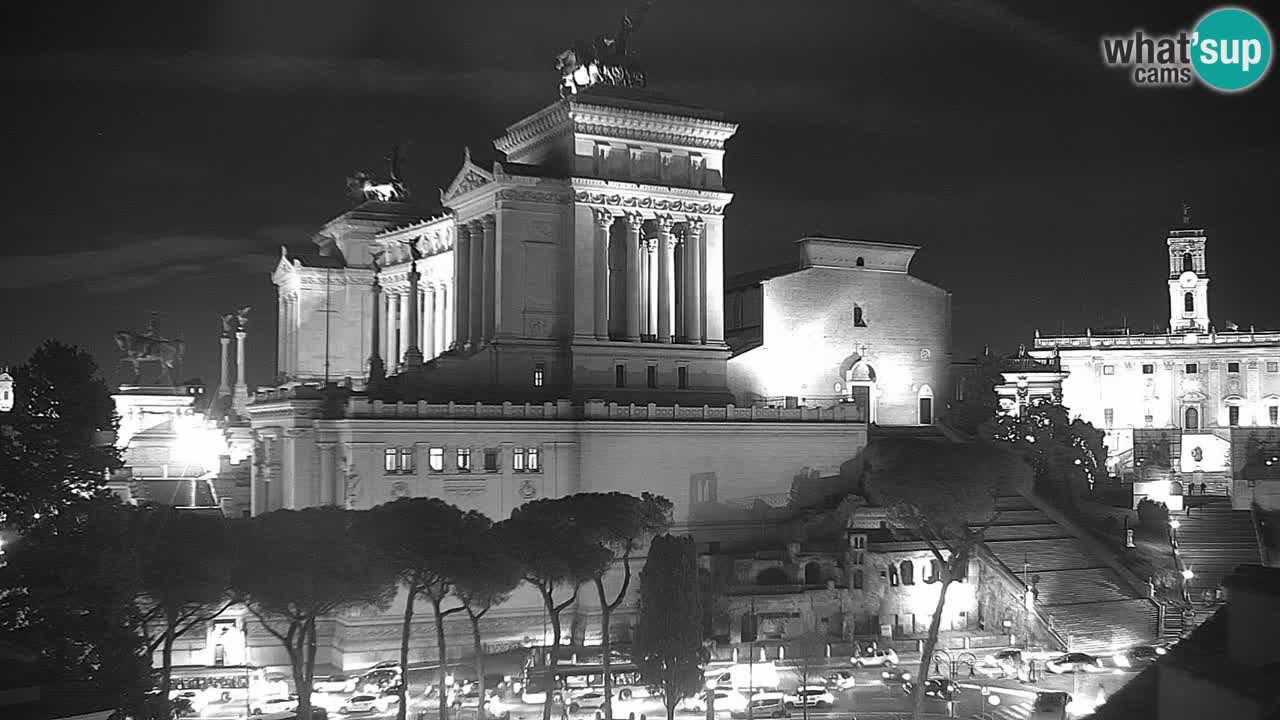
<point>711,699</point>
<point>1174,524</point>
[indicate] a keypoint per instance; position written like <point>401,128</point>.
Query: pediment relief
<point>1192,396</point>
<point>1233,400</point>
<point>469,177</point>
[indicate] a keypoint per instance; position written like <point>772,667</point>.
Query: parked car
<point>1010,662</point>
<point>274,705</point>
<point>364,703</point>
<point>841,680</point>
<point>875,657</point>
<point>1140,655</point>
<point>376,681</point>
<point>387,665</point>
<point>815,696</point>
<point>586,700</point>
<point>895,676</point>
<point>334,684</point>
<point>1073,662</point>
<point>729,700</point>
<point>937,688</point>
<point>763,705</point>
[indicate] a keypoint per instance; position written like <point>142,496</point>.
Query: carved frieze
<point>649,203</point>
<point>536,196</point>
<point>464,487</point>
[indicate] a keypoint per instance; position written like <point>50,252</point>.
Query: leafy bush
<point>1153,517</point>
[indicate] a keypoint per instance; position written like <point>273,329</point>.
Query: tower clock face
<point>1187,279</point>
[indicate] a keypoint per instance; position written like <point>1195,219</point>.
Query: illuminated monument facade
<point>1199,404</point>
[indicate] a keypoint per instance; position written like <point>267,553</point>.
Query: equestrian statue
<point>150,346</point>
<point>363,186</point>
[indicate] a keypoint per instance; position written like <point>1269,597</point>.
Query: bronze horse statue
<point>149,346</point>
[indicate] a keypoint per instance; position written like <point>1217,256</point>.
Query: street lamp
<point>711,699</point>
<point>1187,574</point>
<point>1174,524</point>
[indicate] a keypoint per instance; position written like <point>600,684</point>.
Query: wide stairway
<point>1091,606</point>
<point>1214,540</point>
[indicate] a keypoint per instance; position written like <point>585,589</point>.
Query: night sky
<point>159,154</point>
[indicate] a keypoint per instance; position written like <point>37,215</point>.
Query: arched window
<point>858,319</point>
<point>1192,419</point>
<point>857,579</point>
<point>1188,302</point>
<point>860,262</point>
<point>893,575</point>
<point>908,570</point>
<point>813,574</point>
<point>1188,263</point>
<point>932,577</point>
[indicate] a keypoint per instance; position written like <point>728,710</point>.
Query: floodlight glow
<point>1187,574</point>
<point>1175,524</point>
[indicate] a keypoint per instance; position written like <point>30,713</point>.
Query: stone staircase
<point>1213,540</point>
<point>1089,604</point>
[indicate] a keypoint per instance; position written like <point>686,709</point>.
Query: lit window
<point>893,576</point>
<point>1233,367</point>
<point>1108,369</point>
<point>389,460</point>
<point>1109,416</point>
<point>1233,415</point>
<point>1273,414</point>
<point>620,375</point>
<point>1148,369</point>
<point>682,377</point>
<point>1273,367</point>
<point>1192,368</point>
<point>651,376</point>
<point>406,459</point>
<point>533,459</point>
<point>859,542</point>
<point>491,461</point>
<point>538,371</point>
<point>517,460</point>
<point>435,459</point>
<point>464,459</point>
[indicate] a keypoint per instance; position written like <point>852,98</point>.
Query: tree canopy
<point>1067,456</point>
<point>668,644</point>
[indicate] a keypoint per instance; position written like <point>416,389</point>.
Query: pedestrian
<point>1202,489</point>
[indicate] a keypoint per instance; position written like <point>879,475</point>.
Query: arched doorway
<point>1191,419</point>
<point>812,574</point>
<point>860,379</point>
<point>924,401</point>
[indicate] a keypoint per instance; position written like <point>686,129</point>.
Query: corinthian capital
<point>635,221</point>
<point>665,223</point>
<point>693,225</point>
<point>604,218</point>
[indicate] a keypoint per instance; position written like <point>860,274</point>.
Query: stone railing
<point>1135,341</point>
<point>598,410</point>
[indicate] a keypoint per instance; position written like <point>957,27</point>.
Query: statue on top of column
<point>150,346</point>
<point>1184,213</point>
<point>364,186</point>
<point>607,60</point>
<point>235,322</point>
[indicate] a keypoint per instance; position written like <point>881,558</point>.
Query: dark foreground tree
<point>1067,456</point>
<point>185,562</point>
<point>486,577</point>
<point>945,495</point>
<point>422,540</point>
<point>668,646</point>
<point>980,401</point>
<point>555,553</point>
<point>620,524</point>
<point>55,445</point>
<point>306,565</point>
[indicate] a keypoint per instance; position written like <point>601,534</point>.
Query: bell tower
<point>1188,277</point>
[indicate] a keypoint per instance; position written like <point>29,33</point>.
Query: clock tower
<point>1188,278</point>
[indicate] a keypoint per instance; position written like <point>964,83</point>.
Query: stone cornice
<point>649,125</point>
<point>533,127</point>
<point>657,198</point>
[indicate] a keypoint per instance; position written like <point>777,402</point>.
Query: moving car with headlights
<point>895,676</point>
<point>936,688</point>
<point>875,657</point>
<point>376,681</point>
<point>364,703</point>
<point>1073,662</point>
<point>1138,656</point>
<point>725,701</point>
<point>841,680</point>
<point>1010,662</point>
<point>815,696</point>
<point>765,705</point>
<point>274,705</point>
<point>586,700</point>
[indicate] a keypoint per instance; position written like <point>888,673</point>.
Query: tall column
<point>604,221</point>
<point>224,387</point>
<point>377,371</point>
<point>634,277</point>
<point>693,280</point>
<point>462,281</point>
<point>393,327</point>
<point>412,303</point>
<point>402,322</point>
<point>489,223</point>
<point>429,322</point>
<point>651,298</point>
<point>666,279</point>
<point>713,279</point>
<point>241,398</point>
<point>475,301</point>
<point>282,307</point>
<point>291,333</point>
<point>444,328</point>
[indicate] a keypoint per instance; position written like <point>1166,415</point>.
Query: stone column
<point>444,326</point>
<point>651,298</point>
<point>291,333</point>
<point>377,371</point>
<point>429,344</point>
<point>693,280</point>
<point>241,398</point>
<point>713,280</point>
<point>329,486</point>
<point>489,224</point>
<point>666,279</point>
<point>634,277</point>
<point>393,325</point>
<point>604,221</point>
<point>412,302</point>
<point>402,322</point>
<point>475,300</point>
<point>462,281</point>
<point>282,321</point>
<point>224,388</point>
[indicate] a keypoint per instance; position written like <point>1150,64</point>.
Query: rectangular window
<point>491,461</point>
<point>533,459</point>
<point>435,459</point>
<point>464,459</point>
<point>406,459</point>
<point>682,377</point>
<point>1273,414</point>
<point>389,460</point>
<point>651,376</point>
<point>538,372</point>
<point>1192,368</point>
<point>517,460</point>
<point>1148,369</point>
<point>1109,417</point>
<point>1108,369</point>
<point>1233,367</point>
<point>1233,415</point>
<point>1273,367</point>
<point>620,375</point>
